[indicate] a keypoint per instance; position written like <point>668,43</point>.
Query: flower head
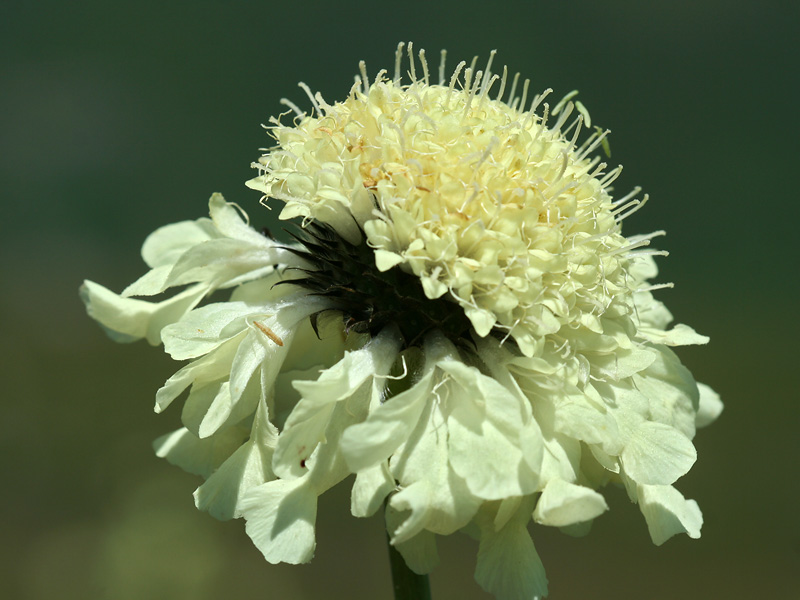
<point>460,323</point>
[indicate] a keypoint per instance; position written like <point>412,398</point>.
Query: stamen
<point>636,206</point>
<point>499,96</point>
<point>583,110</point>
<point>628,196</point>
<point>657,286</point>
<point>453,80</point>
<point>293,106</point>
<point>485,88</point>
<point>398,59</point>
<point>473,63</point>
<point>563,102</point>
<point>647,236</point>
<point>472,91</point>
<point>310,95</point>
<point>610,177</point>
<point>363,68</point>
<point>537,99</point>
<point>513,89</point>
<point>411,61</point>
<point>396,377</point>
<point>591,143</point>
<point>524,94</point>
<point>442,62</point>
<point>488,70</point>
<point>379,77</point>
<point>564,116</point>
<point>545,114</point>
<point>424,62</point>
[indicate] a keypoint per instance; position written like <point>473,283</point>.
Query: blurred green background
<point>117,118</point>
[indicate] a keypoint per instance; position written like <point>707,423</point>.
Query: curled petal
<point>667,512</point>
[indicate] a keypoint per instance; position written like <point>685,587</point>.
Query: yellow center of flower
<point>482,199</point>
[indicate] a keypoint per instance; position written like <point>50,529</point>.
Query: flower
<point>459,322</point>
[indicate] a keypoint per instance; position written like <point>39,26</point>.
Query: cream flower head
<point>460,323</point>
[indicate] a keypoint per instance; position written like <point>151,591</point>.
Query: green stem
<point>407,584</point>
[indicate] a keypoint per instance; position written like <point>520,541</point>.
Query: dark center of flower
<point>367,298</point>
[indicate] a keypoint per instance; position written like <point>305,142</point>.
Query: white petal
<point>236,399</point>
<point>369,443</point>
<point>280,518</point>
<point>710,406</point>
<point>580,417</point>
<point>484,430</point>
<point>385,260</point>
<point>370,488</point>
<point>563,503</point>
<point>508,564</point>
<point>577,529</point>
<point>622,363</point>
<point>671,392</point>
<point>680,335</point>
<point>221,262</point>
<point>206,408</point>
<point>211,368</point>
<point>231,221</point>
<point>221,494</point>
<point>439,500</point>
<point>419,552</point>
<point>339,381</point>
<point>657,454</point>
<point>250,355</point>
<point>200,457</point>
<point>561,458</point>
<point>667,512</point>
<point>151,283</point>
<point>166,244</point>
<point>506,511</point>
<point>482,320</point>
<point>248,467</point>
<point>204,328</point>
<point>128,319</point>
<point>349,379</point>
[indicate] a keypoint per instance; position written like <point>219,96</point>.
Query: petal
<point>211,368</point>
<point>166,244</point>
<point>248,467</point>
<point>680,335</point>
<point>622,363</point>
<point>207,408</point>
<point>231,221</point>
<point>280,518</point>
<point>128,320</point>
<point>386,428</point>
<point>563,503</point>
<point>657,454</point>
<point>370,488</point>
<point>200,457</point>
<point>671,392</point>
<point>508,564</point>
<point>222,493</point>
<point>419,552</point>
<point>484,431</point>
<point>204,328</point>
<point>667,512</point>
<point>439,500</point>
<point>710,406</point>
<point>349,379</point>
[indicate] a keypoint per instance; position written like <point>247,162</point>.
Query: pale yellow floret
<point>480,197</point>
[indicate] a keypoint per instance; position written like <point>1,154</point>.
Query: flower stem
<point>407,584</point>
